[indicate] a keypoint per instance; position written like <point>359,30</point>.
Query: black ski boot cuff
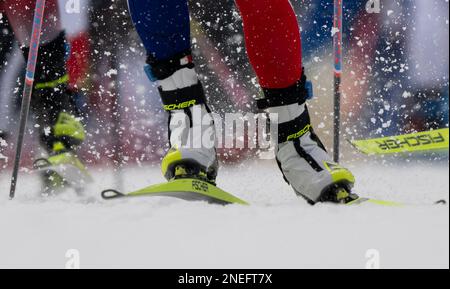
<point>162,69</point>
<point>296,93</point>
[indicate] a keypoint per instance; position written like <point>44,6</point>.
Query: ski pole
<point>117,123</point>
<point>337,40</point>
<point>28,88</point>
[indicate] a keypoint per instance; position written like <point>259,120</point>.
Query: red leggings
<point>273,41</point>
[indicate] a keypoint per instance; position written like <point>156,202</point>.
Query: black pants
<point>6,42</point>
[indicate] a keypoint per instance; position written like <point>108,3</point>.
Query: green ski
<point>185,189</point>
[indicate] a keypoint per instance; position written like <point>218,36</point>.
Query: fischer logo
<point>411,141</point>
<point>179,106</point>
<point>301,133</point>
<point>200,186</point>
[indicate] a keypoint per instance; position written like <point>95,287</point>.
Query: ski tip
<point>441,202</point>
<point>112,194</point>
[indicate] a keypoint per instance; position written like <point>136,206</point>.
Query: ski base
<point>185,189</point>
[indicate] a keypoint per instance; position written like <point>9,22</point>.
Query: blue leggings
<point>163,26</point>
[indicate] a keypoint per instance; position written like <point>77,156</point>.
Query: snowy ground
<point>277,231</point>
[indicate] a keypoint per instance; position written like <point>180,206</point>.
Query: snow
<point>277,231</point>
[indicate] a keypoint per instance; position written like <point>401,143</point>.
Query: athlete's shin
<point>162,25</point>
<point>53,103</point>
<point>273,42</point>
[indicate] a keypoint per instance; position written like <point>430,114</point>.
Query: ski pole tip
<point>441,202</point>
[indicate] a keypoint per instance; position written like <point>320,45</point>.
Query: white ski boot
<point>302,158</point>
<point>191,126</point>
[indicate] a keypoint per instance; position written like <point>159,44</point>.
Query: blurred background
<point>395,74</point>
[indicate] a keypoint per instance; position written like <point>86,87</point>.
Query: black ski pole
<point>337,39</point>
<point>28,89</point>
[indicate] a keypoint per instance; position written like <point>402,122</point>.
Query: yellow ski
<point>185,189</point>
<point>434,140</point>
<point>375,202</point>
<point>382,203</point>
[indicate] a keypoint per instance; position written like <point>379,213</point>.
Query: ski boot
<point>58,115</point>
<point>189,164</point>
<point>3,145</point>
<point>190,156</point>
<point>301,156</point>
<point>191,126</point>
<point>63,169</point>
<point>340,191</point>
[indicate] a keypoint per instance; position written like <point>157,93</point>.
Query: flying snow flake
<point>111,72</point>
<point>406,94</point>
<point>334,30</point>
<point>47,131</point>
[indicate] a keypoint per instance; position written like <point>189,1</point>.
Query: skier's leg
<point>6,39</point>
<point>52,102</point>
<point>165,31</point>
<point>6,45</point>
<point>274,47</point>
